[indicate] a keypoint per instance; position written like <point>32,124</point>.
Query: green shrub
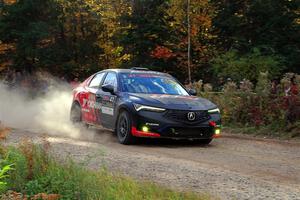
<point>18,177</point>
<point>35,172</point>
<point>248,66</point>
<point>256,109</point>
<point>3,175</point>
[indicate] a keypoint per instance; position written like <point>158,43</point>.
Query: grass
<point>270,131</point>
<point>36,172</point>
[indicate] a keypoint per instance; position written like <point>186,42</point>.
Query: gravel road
<point>229,168</point>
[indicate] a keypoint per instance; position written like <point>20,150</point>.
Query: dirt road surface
<point>229,168</point>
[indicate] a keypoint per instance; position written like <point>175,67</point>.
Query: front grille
<point>204,132</point>
<point>182,116</point>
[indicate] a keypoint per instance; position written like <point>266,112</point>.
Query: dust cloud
<point>47,113</point>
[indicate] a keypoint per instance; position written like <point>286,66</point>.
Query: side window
<point>95,83</point>
<point>111,79</point>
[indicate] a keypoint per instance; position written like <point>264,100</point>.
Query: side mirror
<point>192,92</point>
<point>108,88</point>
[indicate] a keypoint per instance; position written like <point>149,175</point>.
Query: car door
<point>92,104</point>
<point>109,101</point>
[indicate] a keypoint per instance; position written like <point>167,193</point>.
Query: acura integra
<point>138,102</point>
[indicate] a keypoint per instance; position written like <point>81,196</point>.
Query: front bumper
<point>158,125</point>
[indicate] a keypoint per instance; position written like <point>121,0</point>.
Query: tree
<point>202,47</point>
<point>28,25</point>
<point>247,66</point>
<point>60,36</point>
<point>270,25</point>
<point>148,30</point>
<point>110,13</point>
<point>77,50</point>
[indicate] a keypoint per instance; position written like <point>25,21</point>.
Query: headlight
<point>139,107</point>
<point>216,110</point>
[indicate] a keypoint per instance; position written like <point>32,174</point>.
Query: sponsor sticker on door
<point>107,110</point>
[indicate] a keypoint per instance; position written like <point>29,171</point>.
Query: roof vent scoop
<point>140,68</point>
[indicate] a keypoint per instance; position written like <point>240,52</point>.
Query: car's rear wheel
<point>124,129</point>
<point>76,115</point>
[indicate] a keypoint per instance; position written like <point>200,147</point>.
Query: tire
<point>123,129</point>
<point>75,114</point>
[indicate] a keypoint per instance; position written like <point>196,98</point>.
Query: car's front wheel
<point>124,128</point>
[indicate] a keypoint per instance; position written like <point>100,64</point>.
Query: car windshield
<point>148,83</point>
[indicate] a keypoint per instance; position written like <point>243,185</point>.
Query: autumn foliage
<point>76,38</point>
<point>161,52</point>
<point>260,109</point>
<point>4,131</point>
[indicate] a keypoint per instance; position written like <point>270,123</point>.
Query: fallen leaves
<point>4,131</point>
<point>12,195</point>
<point>45,196</point>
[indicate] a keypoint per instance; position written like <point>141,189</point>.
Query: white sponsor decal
<point>152,124</point>
<point>112,99</point>
<point>91,104</point>
<point>97,105</point>
<point>107,110</point>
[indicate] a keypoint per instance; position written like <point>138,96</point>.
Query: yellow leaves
<point>109,10</point>
<point>118,50</point>
<point>126,57</point>
<point>201,15</point>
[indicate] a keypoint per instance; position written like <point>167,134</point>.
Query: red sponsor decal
<point>216,135</point>
<point>138,133</point>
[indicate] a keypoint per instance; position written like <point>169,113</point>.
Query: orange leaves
<point>44,196</point>
<point>6,47</point>
<point>12,195</point>
<point>162,52</point>
<point>9,2</point>
<point>4,131</point>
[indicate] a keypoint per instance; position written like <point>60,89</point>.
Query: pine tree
<point>148,31</point>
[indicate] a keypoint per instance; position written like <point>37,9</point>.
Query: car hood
<point>177,102</point>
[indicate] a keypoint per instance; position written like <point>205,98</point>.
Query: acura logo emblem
<point>191,116</point>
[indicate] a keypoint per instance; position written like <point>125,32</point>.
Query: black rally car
<point>141,103</point>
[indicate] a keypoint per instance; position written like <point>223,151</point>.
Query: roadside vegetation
<point>28,171</point>
<point>264,108</point>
